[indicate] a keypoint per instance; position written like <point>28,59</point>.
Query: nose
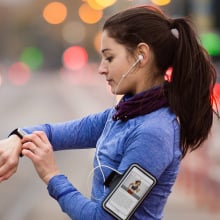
<point>102,70</point>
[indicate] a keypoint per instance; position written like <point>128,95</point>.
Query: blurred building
<point>23,25</point>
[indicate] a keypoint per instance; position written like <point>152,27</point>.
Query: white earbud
<point>140,57</point>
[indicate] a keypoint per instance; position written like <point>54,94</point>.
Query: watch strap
<point>19,132</point>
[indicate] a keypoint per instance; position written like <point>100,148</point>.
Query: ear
<point>145,51</point>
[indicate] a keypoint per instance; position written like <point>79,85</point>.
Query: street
<point>49,98</point>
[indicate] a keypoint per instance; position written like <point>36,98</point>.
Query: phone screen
<point>128,194</point>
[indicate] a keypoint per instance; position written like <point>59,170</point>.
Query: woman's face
<point>116,62</point>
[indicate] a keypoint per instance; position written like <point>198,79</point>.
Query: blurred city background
<point>49,54</point>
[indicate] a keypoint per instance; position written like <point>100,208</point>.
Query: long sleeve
<point>152,140</point>
<point>82,133</point>
<point>73,202</point>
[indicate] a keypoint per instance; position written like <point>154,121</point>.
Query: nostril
<point>102,70</point>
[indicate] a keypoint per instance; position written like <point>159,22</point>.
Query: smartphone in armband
<point>129,193</point>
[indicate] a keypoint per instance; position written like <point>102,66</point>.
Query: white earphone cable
<point>140,57</point>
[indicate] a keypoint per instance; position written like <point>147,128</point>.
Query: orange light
<point>89,15</point>
<point>106,3</point>
<point>55,13</point>
<point>19,73</point>
<point>75,58</point>
<point>97,41</point>
<point>93,4</point>
<point>161,2</point>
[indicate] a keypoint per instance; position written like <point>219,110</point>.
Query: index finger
<point>34,138</point>
<point>42,135</point>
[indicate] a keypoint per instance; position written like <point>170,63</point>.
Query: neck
<point>148,84</point>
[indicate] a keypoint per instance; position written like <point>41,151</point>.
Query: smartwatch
<point>19,132</point>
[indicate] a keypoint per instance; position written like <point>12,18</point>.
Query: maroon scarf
<point>140,104</point>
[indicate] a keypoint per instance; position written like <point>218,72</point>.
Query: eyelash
<point>109,59</point>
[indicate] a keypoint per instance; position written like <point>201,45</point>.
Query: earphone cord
<point>111,113</point>
<point>92,171</point>
<point>120,81</point>
<point>97,151</point>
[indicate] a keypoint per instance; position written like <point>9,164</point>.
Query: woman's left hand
<point>37,147</point>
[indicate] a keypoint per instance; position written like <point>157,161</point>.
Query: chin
<point>117,91</point>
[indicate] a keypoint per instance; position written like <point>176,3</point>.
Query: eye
<point>109,59</point>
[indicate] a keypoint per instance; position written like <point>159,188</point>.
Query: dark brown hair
<point>190,89</point>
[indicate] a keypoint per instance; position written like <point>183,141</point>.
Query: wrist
<point>15,142</point>
<point>16,135</point>
<point>48,177</point>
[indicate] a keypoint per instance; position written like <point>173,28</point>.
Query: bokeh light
<point>168,74</point>
<point>74,32</point>
<point>89,15</point>
<point>19,73</point>
<point>211,42</point>
<point>100,4</point>
<point>55,12</point>
<point>93,4</point>
<point>217,94</point>
<point>106,3</point>
<point>97,41</point>
<point>161,2</point>
<point>75,58</point>
<point>33,57</point>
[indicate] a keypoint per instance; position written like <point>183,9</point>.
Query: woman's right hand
<point>10,150</point>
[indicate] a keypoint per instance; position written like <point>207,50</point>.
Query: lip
<point>109,81</point>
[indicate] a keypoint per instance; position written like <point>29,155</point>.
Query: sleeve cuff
<point>59,186</point>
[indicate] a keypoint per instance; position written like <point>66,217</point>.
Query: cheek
<point>118,69</point>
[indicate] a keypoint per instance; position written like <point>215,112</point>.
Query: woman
<point>159,119</point>
<point>134,187</point>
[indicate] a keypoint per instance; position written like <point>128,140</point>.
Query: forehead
<point>109,44</point>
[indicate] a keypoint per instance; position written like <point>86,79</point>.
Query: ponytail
<point>190,91</point>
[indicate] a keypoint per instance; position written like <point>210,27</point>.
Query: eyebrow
<point>104,50</point>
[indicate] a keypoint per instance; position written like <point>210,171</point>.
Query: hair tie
<point>175,33</point>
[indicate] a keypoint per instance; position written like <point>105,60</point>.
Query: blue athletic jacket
<point>151,140</point>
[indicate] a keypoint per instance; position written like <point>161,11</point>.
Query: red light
<point>168,74</point>
<point>75,58</point>
<point>217,94</point>
<point>19,73</point>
